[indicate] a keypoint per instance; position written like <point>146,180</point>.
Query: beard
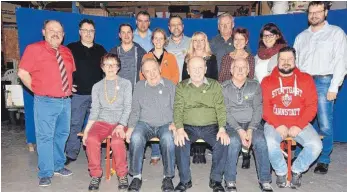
<point>316,22</point>
<point>286,71</point>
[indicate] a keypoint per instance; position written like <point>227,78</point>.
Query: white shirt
<point>323,52</point>
<point>261,69</point>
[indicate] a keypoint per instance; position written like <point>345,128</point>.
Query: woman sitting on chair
<point>110,110</point>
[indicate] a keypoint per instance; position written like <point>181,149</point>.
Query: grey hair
<point>227,14</point>
<point>144,61</point>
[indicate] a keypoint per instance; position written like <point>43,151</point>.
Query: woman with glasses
<point>270,42</point>
<point>110,110</point>
<point>199,46</point>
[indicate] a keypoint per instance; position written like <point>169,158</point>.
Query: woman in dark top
<point>199,46</point>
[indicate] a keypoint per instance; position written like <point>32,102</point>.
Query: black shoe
<point>69,160</point>
<point>281,181</point>
<point>230,186</point>
<point>246,160</point>
<point>218,187</point>
<point>135,185</point>
<point>195,158</point>
<point>321,168</point>
<point>94,184</point>
<point>296,180</point>
<point>167,185</point>
<point>123,182</point>
<point>183,187</point>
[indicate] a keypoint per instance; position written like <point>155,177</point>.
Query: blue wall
<point>30,24</point>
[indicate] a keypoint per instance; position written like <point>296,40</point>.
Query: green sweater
<point>199,106</point>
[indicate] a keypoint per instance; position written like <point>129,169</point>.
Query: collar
<point>49,47</point>
<point>244,84</point>
<point>205,81</point>
<point>220,38</point>
<point>184,38</point>
<point>326,26</point>
<point>160,82</point>
<point>81,44</point>
<point>149,33</point>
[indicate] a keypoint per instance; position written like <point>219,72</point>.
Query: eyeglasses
<point>315,13</point>
<point>142,21</point>
<point>110,66</point>
<point>60,33</point>
<point>271,36</point>
<point>86,31</point>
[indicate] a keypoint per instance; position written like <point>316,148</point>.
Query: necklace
<point>115,92</point>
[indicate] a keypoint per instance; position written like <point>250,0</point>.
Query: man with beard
<point>322,53</point>
<point>178,42</point>
<point>223,42</point>
<point>143,34</point>
<point>129,53</point>
<point>87,55</point>
<point>289,104</point>
<point>46,69</point>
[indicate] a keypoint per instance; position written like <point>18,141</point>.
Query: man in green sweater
<point>199,113</point>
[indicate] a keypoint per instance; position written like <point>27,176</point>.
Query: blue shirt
<point>145,43</point>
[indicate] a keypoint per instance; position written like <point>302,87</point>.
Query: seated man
<point>199,113</point>
<point>290,104</point>
<point>243,101</point>
<point>152,116</point>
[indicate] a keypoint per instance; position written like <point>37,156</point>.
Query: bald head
<point>196,60</point>
<point>196,68</point>
<point>53,32</point>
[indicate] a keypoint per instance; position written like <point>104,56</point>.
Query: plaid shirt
<point>225,74</point>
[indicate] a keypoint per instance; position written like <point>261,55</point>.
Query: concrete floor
<point>19,173</point>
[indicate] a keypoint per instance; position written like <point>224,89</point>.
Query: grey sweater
<point>119,110</point>
<point>152,105</point>
<point>243,105</point>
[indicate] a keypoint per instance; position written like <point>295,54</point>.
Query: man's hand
<point>128,134</point>
<point>180,137</point>
<point>172,128</point>
<point>249,137</point>
<point>294,131</point>
<point>74,90</point>
<point>84,139</point>
<point>223,136</point>
<point>331,96</point>
<point>243,136</point>
<point>283,131</point>
<point>119,131</point>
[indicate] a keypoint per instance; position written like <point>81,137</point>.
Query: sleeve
<point>251,62</point>
<point>257,109</point>
<point>127,104</point>
<point>172,96</point>
<point>224,70</point>
<point>230,119</point>
<point>146,56</point>
<point>218,101</point>
<point>309,111</point>
<point>212,46</point>
<point>268,115</point>
<point>175,72</point>
<point>179,106</point>
<point>213,67</point>
<point>135,109</point>
<point>297,49</point>
<point>28,61</point>
<point>95,106</point>
<point>185,74</point>
<point>339,61</point>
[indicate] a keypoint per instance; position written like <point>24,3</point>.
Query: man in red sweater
<point>289,104</point>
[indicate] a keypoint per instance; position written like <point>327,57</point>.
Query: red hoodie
<point>289,101</point>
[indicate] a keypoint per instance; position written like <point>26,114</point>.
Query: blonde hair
<point>190,52</point>
<point>158,30</point>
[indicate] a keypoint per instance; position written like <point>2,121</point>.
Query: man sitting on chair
<point>243,101</point>
<point>290,103</point>
<point>199,113</point>
<point>151,116</point>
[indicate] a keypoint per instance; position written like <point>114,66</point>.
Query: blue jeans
<point>52,122</point>
<point>142,133</point>
<point>208,134</point>
<point>155,151</point>
<point>80,108</point>
<point>308,138</point>
<point>260,151</point>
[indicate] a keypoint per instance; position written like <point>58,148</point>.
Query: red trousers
<point>97,133</point>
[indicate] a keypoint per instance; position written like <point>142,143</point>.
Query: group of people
<point>182,89</point>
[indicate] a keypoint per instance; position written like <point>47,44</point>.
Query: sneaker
<point>94,184</point>
<point>44,182</point>
<point>230,186</point>
<point>167,185</point>
<point>182,187</point>
<point>281,181</point>
<point>266,187</point>
<point>321,168</point>
<point>296,180</point>
<point>135,185</point>
<point>63,172</point>
<point>123,182</point>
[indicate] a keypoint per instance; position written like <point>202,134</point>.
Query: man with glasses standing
<point>322,53</point>
<point>87,56</point>
<point>143,34</point>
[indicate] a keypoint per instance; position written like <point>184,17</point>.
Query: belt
<point>65,97</point>
<point>322,76</point>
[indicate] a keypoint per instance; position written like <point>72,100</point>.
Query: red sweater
<point>289,101</point>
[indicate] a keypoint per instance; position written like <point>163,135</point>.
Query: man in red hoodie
<point>289,104</point>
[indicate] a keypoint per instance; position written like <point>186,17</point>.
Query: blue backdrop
<point>30,24</point>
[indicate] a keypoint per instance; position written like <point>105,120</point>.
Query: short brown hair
<point>159,30</point>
